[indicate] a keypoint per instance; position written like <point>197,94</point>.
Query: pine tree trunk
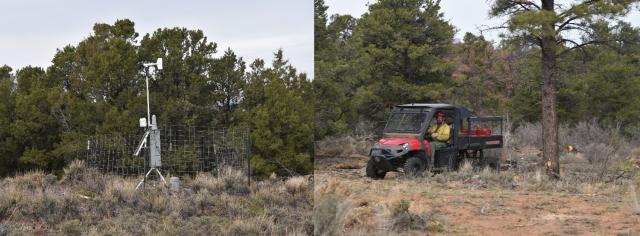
<point>549,97</point>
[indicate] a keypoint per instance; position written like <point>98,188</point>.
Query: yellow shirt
<point>443,132</point>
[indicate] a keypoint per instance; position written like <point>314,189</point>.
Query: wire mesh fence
<point>186,150</point>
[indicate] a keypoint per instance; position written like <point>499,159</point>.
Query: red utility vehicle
<point>405,143</point>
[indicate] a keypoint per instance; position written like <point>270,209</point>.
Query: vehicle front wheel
<point>414,166</point>
<point>373,171</point>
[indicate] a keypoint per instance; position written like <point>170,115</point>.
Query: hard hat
<point>439,114</point>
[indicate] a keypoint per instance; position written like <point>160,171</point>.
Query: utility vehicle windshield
<point>405,122</point>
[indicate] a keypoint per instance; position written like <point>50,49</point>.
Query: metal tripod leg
<point>147,175</point>
<point>161,177</point>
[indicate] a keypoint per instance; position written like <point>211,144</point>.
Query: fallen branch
<point>616,178</point>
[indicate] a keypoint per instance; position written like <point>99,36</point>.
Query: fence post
<point>248,138</point>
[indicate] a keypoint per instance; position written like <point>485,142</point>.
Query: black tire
<point>414,166</point>
<point>373,171</point>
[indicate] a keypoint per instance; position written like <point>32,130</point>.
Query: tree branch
<point>524,3</point>
<point>574,26</point>
<point>514,6</point>
<point>570,10</point>
<point>577,45</point>
<point>568,21</point>
<point>483,28</point>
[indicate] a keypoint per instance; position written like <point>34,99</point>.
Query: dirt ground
<point>455,207</point>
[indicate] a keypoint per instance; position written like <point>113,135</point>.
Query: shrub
<point>598,153</point>
<point>79,176</point>
<point>330,208</point>
<point>328,214</point>
<point>74,171</point>
<point>528,133</point>
<point>31,180</point>
<point>228,180</point>
<point>296,184</point>
<point>36,203</point>
<point>599,145</point>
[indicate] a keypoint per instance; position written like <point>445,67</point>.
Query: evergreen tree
<point>278,106</point>
<point>8,144</point>
<point>34,128</point>
<point>548,25</point>
<point>98,87</point>
<point>5,72</point>
<point>227,76</point>
<point>97,81</point>
<point>404,45</point>
<point>335,78</point>
<point>184,91</point>
<point>320,25</point>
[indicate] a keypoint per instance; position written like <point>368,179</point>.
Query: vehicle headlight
<point>405,146</point>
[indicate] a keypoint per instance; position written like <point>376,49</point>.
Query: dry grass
<point>597,143</point>
<point>588,197</point>
<point>339,210</point>
<point>296,185</point>
<point>598,192</point>
<point>84,202</point>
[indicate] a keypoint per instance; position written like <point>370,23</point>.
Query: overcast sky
<point>465,15</point>
<point>31,30</point>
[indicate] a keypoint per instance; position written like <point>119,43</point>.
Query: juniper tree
<point>404,45</point>
<point>278,106</point>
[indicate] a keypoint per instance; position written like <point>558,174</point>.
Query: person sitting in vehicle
<point>439,133</point>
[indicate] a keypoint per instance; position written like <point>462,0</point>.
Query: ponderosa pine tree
<point>550,26</point>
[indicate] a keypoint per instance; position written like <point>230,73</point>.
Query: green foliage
<point>228,76</point>
<point>320,22</point>
<point>183,91</point>
<point>396,53</point>
<point>335,77</point>
<point>279,112</point>
<point>97,87</point>
<point>8,144</point>
<point>606,82</point>
<point>361,67</point>
<point>5,72</point>
<point>33,127</point>
<point>333,71</point>
<point>404,45</point>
